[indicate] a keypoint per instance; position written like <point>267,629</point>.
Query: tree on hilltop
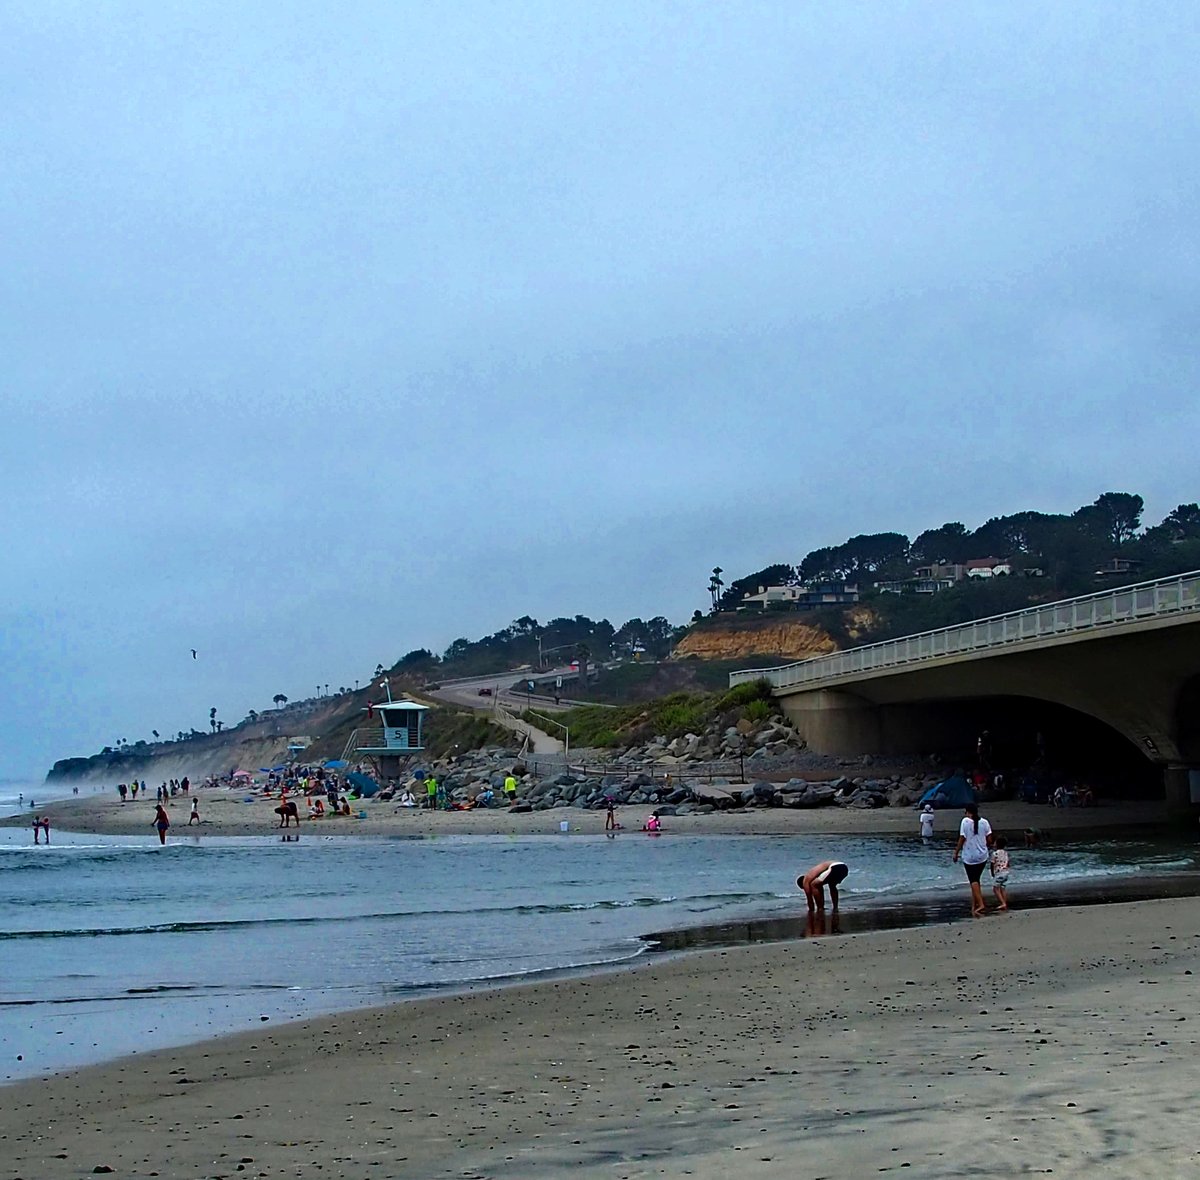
<point>1182,523</point>
<point>280,699</point>
<point>946,544</point>
<point>1114,517</point>
<point>653,636</point>
<point>880,554</point>
<point>715,586</point>
<point>419,657</point>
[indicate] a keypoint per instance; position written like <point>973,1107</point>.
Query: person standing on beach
<point>37,829</point>
<point>974,845</point>
<point>162,822</point>
<point>431,796</point>
<point>1000,867</point>
<point>926,818</point>
<point>194,818</point>
<point>510,788</point>
<point>122,789</point>
<point>828,872</point>
<point>46,827</point>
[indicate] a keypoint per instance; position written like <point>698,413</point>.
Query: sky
<point>332,331</point>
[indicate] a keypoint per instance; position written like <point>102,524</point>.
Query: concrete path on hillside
<point>540,741</point>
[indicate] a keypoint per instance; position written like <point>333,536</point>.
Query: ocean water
<point>115,945</point>
<point>22,795</point>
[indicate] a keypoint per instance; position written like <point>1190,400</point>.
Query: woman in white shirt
<point>974,845</point>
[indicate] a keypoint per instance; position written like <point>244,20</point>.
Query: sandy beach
<point>224,813</point>
<point>1050,1042</point>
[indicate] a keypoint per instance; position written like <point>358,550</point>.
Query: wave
<point>161,989</point>
<point>613,960</point>
<point>201,927</point>
<point>414,987</point>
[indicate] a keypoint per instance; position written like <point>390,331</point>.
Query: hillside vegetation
<point>670,716</point>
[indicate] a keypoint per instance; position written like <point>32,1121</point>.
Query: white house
<point>988,567</point>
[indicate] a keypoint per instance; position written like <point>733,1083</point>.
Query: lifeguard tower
<point>400,738</point>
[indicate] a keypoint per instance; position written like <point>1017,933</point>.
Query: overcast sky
<point>330,331</point>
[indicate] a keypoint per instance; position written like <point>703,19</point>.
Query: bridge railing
<point>1166,596</point>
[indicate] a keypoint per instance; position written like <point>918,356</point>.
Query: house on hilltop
<point>1119,567</point>
<point>810,597</point>
<point>926,579</point>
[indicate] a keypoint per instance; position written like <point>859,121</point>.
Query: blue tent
<point>366,786</point>
<point>954,791</point>
<point>336,764</point>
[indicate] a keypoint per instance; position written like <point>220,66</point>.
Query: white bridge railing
<point>1126,604</point>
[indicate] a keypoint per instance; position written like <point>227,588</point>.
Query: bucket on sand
<point>564,825</point>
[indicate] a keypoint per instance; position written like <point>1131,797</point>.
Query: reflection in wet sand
<point>917,911</point>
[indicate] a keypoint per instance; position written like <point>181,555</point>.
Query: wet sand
<point>223,813</point>
<point>1042,1042</point>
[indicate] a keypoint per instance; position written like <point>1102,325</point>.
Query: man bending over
<point>829,873</point>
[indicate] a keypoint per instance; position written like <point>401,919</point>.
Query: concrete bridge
<point>1128,657</point>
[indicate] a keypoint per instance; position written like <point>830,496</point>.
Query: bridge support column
<point>1182,785</point>
<point>836,723</point>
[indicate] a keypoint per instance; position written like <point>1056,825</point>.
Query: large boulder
<point>820,794</point>
<point>710,793</point>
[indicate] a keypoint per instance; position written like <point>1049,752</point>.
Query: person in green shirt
<point>431,793</point>
<point>510,788</point>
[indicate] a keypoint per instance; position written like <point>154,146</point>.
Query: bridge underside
<point>1143,686</point>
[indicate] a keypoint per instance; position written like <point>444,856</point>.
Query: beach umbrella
<point>242,774</point>
<point>336,764</point>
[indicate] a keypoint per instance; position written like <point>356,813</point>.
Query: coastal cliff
<point>736,639</point>
<point>317,730</point>
<point>248,746</point>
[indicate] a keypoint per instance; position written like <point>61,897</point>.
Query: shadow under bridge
<point>1128,658</point>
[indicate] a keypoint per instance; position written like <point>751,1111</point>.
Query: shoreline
<point>829,1056</point>
<point>860,916</point>
<point>224,813</point>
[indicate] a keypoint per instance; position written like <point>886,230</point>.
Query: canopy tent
<point>365,785</point>
<point>242,774</point>
<point>954,791</point>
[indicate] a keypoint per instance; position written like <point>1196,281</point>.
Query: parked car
<point>485,692</point>
<point>431,687</point>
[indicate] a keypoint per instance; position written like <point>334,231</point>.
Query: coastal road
<point>465,693</point>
